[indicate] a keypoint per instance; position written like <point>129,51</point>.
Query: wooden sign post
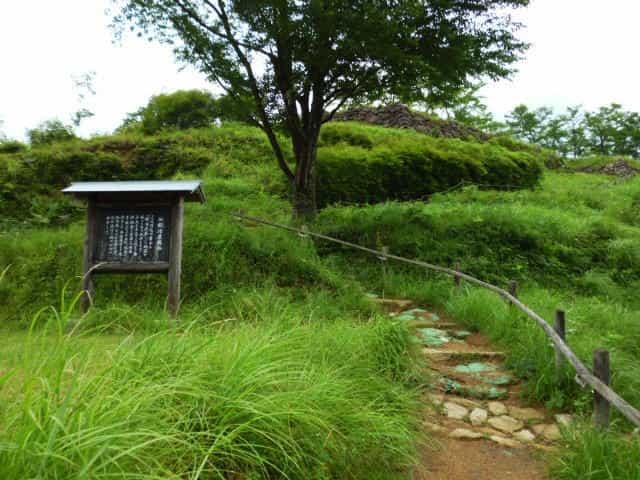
<point>135,227</point>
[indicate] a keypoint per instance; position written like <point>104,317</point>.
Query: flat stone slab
<point>505,423</point>
<point>465,434</point>
<point>526,414</point>
<point>475,367</point>
<point>524,436</point>
<point>484,372</point>
<point>433,337</point>
<point>472,391</point>
<point>497,408</point>
<point>436,353</point>
<point>504,441</point>
<point>455,411</point>
<point>478,416</point>
<point>549,432</point>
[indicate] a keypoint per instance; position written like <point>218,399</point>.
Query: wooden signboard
<point>135,227</point>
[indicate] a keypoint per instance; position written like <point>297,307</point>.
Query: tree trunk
<point>305,205</point>
<point>304,201</point>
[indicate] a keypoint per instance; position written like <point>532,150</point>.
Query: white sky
<point>583,52</point>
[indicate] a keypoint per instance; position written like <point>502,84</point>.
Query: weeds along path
<point>474,412</point>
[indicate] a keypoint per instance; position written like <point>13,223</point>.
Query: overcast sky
<point>583,52</point>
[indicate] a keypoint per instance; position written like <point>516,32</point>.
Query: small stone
<point>563,419</point>
<point>436,399</point>
<point>434,427</point>
<point>455,411</point>
<point>497,408</point>
<point>465,401</point>
<point>478,416</point>
<point>506,424</point>
<point>539,429</point>
<point>526,414</point>
<point>505,442</point>
<point>550,432</point>
<point>525,436</point>
<point>465,434</point>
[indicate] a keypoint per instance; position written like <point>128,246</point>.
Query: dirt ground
<point>453,459</point>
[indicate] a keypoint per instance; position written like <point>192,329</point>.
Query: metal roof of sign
<point>191,188</point>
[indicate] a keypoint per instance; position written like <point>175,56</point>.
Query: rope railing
<point>604,395</point>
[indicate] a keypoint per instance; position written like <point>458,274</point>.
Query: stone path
<point>474,410</point>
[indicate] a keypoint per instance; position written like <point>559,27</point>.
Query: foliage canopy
<point>302,60</point>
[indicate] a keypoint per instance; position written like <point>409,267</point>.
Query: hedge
<point>361,164</point>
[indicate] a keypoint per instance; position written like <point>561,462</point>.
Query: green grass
<point>282,397</point>
<point>280,367</point>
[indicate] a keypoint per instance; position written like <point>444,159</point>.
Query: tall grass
<point>264,400</point>
<point>593,455</point>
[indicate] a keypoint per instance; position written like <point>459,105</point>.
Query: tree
<point>553,133</point>
<point>50,131</point>
<point>604,127</point>
<point>576,136</point>
<point>301,60</point>
<point>528,124</point>
<point>182,109</point>
<point>466,106</point>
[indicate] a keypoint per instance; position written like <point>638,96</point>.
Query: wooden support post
<point>175,257</point>
<point>87,263</point>
<point>513,289</point>
<point>456,278</point>
<point>383,259</point>
<point>560,329</point>
<point>601,406</point>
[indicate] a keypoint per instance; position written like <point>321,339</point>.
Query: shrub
<point>45,169</point>
<point>12,146</point>
<point>358,164</point>
<point>49,132</point>
<point>181,110</point>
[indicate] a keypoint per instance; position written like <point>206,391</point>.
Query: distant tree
<point>528,125</point>
<point>235,109</point>
<point>50,131</point>
<point>630,135</point>
<point>182,109</point>
<point>467,106</point>
<point>11,146</point>
<point>604,129</point>
<point>553,133</point>
<point>300,61</point>
<point>576,141</point>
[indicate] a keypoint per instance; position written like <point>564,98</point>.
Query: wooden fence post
<point>601,406</point>
<point>513,290</point>
<point>560,329</point>
<point>456,278</point>
<point>383,259</point>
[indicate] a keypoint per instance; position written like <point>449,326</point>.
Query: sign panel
<point>132,235</point>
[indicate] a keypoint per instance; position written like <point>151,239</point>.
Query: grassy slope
<point>280,368</point>
<point>572,243</point>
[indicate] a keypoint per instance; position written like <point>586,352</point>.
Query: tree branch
<point>253,83</point>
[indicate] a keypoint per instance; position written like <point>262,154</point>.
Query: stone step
<point>439,354</point>
<point>392,304</point>
<point>475,372</point>
<point>420,323</point>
